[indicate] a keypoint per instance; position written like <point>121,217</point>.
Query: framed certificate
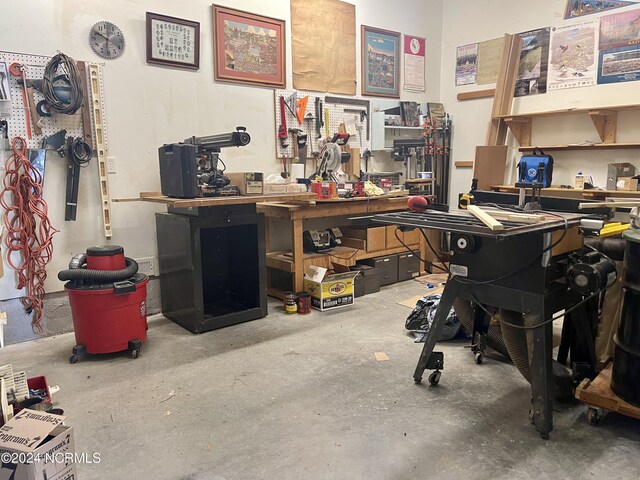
<point>173,42</point>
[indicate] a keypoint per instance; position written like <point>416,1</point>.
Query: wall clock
<point>107,40</point>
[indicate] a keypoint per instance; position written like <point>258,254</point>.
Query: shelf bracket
<point>521,129</point>
<point>606,122</point>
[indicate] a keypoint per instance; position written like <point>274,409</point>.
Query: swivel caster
<point>434,378</point>
<point>593,415</point>
<point>79,351</point>
<point>134,348</point>
<point>478,358</point>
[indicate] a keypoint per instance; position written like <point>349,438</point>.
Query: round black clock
<point>107,40</point>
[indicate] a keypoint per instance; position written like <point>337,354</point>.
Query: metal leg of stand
<point>450,293</point>
<point>541,372</point>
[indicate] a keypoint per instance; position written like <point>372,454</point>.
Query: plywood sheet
<point>323,42</point>
<point>489,165</point>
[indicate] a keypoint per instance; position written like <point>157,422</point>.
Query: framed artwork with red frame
<point>248,48</point>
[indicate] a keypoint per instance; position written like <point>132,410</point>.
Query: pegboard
<point>337,115</point>
<point>35,65</point>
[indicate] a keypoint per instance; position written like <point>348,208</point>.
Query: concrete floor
<point>293,396</point>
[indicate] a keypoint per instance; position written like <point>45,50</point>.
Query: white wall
<point>467,22</point>
<point>147,106</point>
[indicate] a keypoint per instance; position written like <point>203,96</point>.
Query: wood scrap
<point>589,205</point>
<point>516,216</point>
<point>485,218</point>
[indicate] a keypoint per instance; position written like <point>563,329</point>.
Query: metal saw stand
<point>486,276</point>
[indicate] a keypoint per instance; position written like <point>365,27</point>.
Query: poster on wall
<point>619,65</point>
<point>414,62</point>
<point>380,62</point>
<point>466,64</point>
<point>315,39</point>
<point>489,60</point>
<point>578,8</point>
<point>534,62</point>
<point>573,56</point>
<point>620,30</point>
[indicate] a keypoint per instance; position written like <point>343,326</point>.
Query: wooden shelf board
<point>595,146</point>
<point>569,111</point>
<point>463,163</point>
<point>571,192</point>
<point>420,180</point>
<point>215,201</point>
<point>394,194</point>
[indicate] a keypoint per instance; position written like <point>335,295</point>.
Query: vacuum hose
<point>98,276</point>
<point>611,247</point>
<point>464,310</point>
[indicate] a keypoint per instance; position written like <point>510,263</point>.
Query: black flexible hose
<point>101,276</point>
<point>611,247</point>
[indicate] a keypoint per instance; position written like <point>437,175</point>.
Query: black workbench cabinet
<point>212,266</point>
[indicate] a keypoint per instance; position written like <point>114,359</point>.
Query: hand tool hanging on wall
<point>326,121</point>
<point>301,108</point>
<point>18,70</point>
<point>282,128</point>
<point>285,172</point>
<point>291,102</point>
<point>294,134</point>
<point>319,121</point>
<point>351,101</point>
<point>78,155</point>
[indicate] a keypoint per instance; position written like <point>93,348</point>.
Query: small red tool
<point>17,70</point>
<point>282,129</point>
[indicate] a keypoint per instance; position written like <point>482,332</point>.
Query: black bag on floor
<point>421,318</point>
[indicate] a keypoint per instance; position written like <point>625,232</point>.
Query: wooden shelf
<point>591,194</point>
<point>399,127</point>
<point>570,111</point>
<point>419,181</point>
<point>595,146</point>
<point>605,121</point>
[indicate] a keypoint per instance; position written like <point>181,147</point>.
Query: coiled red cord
<point>29,230</point>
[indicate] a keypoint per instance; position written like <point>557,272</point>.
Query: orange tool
<point>17,70</point>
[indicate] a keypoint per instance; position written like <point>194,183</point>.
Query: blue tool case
<point>536,168</point>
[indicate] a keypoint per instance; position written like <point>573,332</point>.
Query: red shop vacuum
<point>108,299</point>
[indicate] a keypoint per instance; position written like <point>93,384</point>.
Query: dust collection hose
<point>611,247</point>
<point>512,343</point>
<point>99,276</point>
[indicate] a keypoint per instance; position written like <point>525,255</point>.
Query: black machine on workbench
<point>190,169</point>
<point>507,283</point>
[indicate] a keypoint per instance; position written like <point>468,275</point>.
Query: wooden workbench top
<point>157,197</point>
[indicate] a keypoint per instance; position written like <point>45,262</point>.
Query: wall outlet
<point>147,265</point>
<point>111,164</point>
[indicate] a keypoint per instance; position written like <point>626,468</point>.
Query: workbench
<point>211,256</point>
<point>297,213</point>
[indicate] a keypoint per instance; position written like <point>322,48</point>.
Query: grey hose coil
<point>101,276</point>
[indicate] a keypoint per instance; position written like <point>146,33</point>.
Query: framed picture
<point>380,62</point>
<point>173,42</point>
<point>248,48</point>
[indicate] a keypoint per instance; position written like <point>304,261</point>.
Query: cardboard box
<point>375,237</point>
<point>629,184</point>
<point>249,183</point>
<point>617,170</point>
<point>275,188</point>
<point>43,441</point>
<point>329,291</point>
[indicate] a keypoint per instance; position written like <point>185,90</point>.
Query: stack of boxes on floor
<point>385,269</point>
